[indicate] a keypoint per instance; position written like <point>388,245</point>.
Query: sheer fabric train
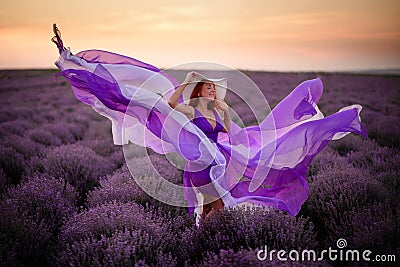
<point>264,165</point>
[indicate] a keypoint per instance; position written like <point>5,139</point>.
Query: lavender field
<point>68,198</point>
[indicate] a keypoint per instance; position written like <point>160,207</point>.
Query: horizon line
<point>378,71</point>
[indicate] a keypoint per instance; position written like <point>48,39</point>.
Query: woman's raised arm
<point>173,100</point>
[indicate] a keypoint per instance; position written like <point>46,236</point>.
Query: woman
<point>203,110</point>
<point>265,164</point>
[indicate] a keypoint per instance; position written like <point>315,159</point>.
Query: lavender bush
<point>126,229</point>
<point>340,197</point>
<point>166,169</point>
<point>385,129</point>
<point>153,174</point>
<point>24,146</point>
<point>122,248</point>
<point>18,127</point>
<point>372,226</point>
<point>325,159</point>
<point>66,132</point>
<point>120,186</point>
<point>6,115</point>
<point>58,154</point>
<point>12,163</point>
<point>4,181</point>
<point>251,228</point>
<point>32,214</point>
<point>391,180</point>
<point>77,165</point>
<point>155,165</point>
<point>97,129</point>
<point>43,137</point>
<point>229,257</point>
<point>102,146</point>
<point>375,158</point>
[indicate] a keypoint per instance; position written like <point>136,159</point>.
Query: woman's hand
<point>227,117</point>
<point>190,77</point>
<point>224,106</point>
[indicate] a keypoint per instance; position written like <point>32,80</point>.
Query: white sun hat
<point>220,86</point>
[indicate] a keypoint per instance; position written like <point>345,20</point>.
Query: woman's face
<point>208,91</point>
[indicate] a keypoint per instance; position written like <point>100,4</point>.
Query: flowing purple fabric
<point>264,165</point>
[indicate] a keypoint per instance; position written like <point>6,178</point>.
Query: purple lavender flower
<point>120,233</point>
<point>120,186</point>
<point>77,165</point>
<point>12,163</point>
<point>32,214</point>
<point>250,228</point>
<point>43,137</point>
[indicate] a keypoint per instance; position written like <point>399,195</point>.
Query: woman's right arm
<point>173,100</point>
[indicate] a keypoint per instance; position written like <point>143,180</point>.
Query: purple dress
<point>201,178</point>
<point>265,164</point>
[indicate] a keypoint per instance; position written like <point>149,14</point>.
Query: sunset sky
<point>253,35</point>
